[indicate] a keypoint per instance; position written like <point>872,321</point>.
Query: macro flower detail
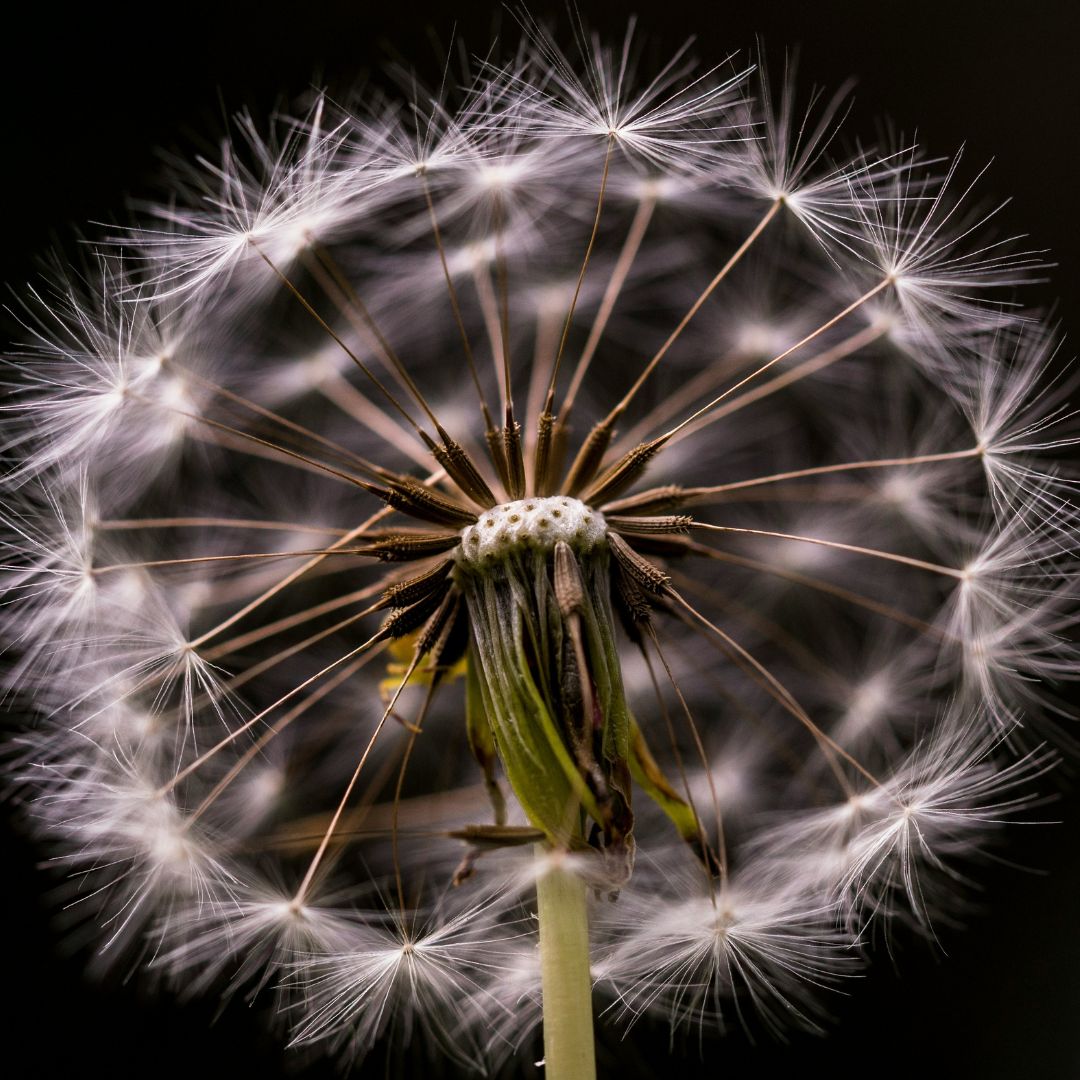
<point>563,550</point>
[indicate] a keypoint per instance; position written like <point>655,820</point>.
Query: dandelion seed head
<point>577,476</point>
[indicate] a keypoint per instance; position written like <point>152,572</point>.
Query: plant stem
<point>564,973</point>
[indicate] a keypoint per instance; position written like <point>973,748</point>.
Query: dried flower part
<point>546,668</point>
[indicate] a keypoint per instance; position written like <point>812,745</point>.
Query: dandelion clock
<point>580,548</point>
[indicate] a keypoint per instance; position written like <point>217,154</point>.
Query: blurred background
<point>88,100</point>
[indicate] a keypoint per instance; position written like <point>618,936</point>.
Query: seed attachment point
<point>536,524</point>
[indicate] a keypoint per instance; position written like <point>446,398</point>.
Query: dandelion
<point>568,547</point>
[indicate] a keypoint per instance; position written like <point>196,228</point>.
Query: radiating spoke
<point>829,746</point>
<point>906,560</point>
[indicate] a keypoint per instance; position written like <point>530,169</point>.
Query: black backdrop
<point>85,100</point>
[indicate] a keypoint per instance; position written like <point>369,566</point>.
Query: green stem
<point>564,974</point>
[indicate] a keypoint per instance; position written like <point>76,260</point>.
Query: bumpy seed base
<point>534,524</point>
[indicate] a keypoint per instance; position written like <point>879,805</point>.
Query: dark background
<point>87,98</point>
